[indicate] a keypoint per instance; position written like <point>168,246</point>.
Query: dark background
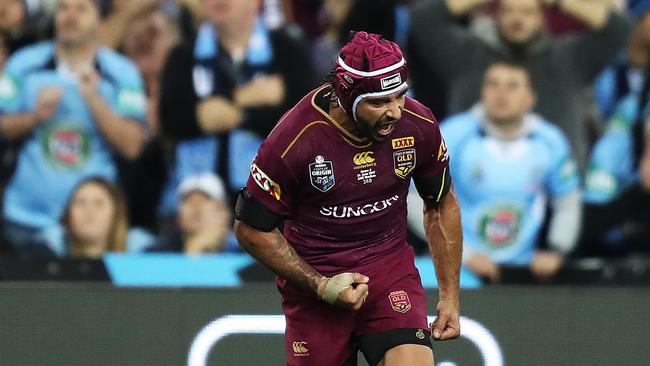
<point>98,324</point>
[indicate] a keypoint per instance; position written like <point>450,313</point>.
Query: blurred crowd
<point>129,126</point>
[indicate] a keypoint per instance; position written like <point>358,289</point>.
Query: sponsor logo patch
<point>420,334</point>
<point>340,212</point>
<point>499,227</point>
<point>404,162</point>
<point>443,154</point>
<point>403,142</point>
<point>300,349</point>
<point>321,174</point>
<point>363,158</point>
<point>131,101</point>
<point>399,301</point>
<point>8,87</point>
<point>266,183</point>
<point>391,81</point>
<point>66,146</point>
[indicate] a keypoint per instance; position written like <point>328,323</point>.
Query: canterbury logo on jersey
<point>341,212</point>
<point>363,158</point>
<point>300,349</point>
<point>403,142</point>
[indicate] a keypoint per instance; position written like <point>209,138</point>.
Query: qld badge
<point>321,174</point>
<point>404,162</point>
<point>399,301</point>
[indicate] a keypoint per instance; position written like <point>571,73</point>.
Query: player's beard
<point>378,131</point>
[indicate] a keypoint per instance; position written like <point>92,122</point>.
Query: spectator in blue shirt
<point>508,165</point>
<point>74,104</point>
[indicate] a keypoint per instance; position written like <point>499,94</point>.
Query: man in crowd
<point>507,164</point>
<point>560,68</point>
<point>73,104</point>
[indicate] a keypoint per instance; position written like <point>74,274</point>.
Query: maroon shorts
<point>320,334</point>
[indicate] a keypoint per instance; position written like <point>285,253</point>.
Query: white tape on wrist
<point>335,285</point>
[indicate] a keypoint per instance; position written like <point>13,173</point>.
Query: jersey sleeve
<point>563,177</point>
<point>610,168</point>
<point>272,180</point>
<point>130,100</point>
<point>435,157</point>
<point>10,89</point>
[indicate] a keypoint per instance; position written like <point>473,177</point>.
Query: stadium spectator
<point>94,222</point>
<point>225,91</point>
<point>19,26</point>
<point>560,68</point>
<point>617,185</point>
<point>152,34</point>
<point>338,18</point>
<point>236,74</point>
<point>507,162</point>
<point>628,71</point>
<point>203,219</point>
<point>74,104</point>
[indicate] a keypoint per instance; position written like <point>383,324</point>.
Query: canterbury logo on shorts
<point>300,349</point>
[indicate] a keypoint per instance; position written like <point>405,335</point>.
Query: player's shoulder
<point>300,125</point>
<point>460,126</point>
<point>30,58</point>
<point>117,66</point>
<point>419,114</point>
<point>547,132</point>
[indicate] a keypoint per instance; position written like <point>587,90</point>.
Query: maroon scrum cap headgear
<point>368,66</point>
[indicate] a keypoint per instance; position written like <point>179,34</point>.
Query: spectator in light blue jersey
<point>617,185</point>
<point>73,104</point>
<point>508,165</point>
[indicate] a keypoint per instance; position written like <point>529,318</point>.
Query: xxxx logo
<point>403,142</point>
<point>300,349</point>
<point>363,158</point>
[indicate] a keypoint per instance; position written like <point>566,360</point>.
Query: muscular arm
<point>445,237</point>
<point>273,250</point>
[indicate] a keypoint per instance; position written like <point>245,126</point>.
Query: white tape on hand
<point>335,285</point>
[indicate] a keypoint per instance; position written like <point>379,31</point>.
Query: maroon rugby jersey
<point>344,198</point>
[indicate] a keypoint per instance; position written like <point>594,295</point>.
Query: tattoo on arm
<point>273,250</point>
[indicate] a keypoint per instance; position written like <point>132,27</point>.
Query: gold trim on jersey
<point>345,132</point>
<point>300,134</point>
<point>442,184</point>
<point>418,115</point>
<point>287,114</point>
